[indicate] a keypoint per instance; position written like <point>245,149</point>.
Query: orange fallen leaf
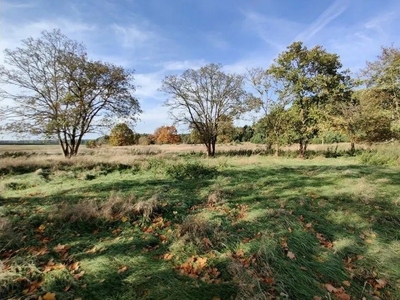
<point>342,296</point>
<point>308,225</point>
<point>122,269</point>
<point>74,266</point>
<point>49,296</point>
<point>167,256</point>
<point>40,229</point>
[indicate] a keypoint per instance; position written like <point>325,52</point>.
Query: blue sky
<point>160,37</point>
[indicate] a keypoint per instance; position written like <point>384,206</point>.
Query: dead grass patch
<point>115,207</point>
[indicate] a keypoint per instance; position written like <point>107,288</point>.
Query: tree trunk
<point>302,149</point>
<point>276,149</point>
<point>352,148</point>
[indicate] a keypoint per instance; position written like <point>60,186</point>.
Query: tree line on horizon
<point>304,95</point>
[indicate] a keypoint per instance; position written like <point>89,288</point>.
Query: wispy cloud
<point>331,13</point>
<point>133,36</point>
<point>216,40</point>
<point>273,31</point>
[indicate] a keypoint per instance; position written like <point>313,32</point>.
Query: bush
<point>144,141</point>
<point>92,144</point>
<point>190,170</point>
<point>384,155</point>
<point>121,135</point>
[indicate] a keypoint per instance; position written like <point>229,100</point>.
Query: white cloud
<point>275,32</point>
<point>183,65</point>
<point>331,13</point>
<point>133,36</point>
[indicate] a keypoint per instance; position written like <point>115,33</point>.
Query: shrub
<point>190,170</point>
<point>92,144</point>
<point>144,141</point>
<point>121,135</point>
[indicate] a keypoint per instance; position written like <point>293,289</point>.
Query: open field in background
<point>56,149</point>
<point>122,223</point>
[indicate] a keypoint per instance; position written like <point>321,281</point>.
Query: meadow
<point>166,222</point>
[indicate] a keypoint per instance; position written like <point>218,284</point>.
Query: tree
<point>121,135</point>
<point>166,135</point>
<point>61,93</point>
<point>278,127</point>
<point>382,77</point>
<point>308,81</point>
<point>203,97</point>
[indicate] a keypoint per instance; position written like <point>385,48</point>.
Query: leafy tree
<point>61,93</point>
<point>308,80</point>
<point>382,78</point>
<point>226,130</point>
<point>166,135</point>
<point>243,134</point>
<point>121,135</point>
<point>278,127</point>
<point>202,97</point>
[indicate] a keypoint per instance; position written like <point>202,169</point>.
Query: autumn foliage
<point>166,135</point>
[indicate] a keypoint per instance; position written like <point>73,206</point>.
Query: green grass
<point>231,228</point>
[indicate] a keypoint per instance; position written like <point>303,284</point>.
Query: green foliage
<point>308,80</point>
<point>383,155</point>
<point>121,135</point>
<point>190,170</point>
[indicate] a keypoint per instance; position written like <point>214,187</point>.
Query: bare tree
<point>202,98</point>
<point>60,93</point>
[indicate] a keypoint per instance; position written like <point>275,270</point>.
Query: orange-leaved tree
<point>166,135</point>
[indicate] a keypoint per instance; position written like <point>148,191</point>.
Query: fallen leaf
<point>207,242</point>
<point>162,238</point>
<point>79,275</point>
<point>40,229</point>
<point>330,288</point>
<point>67,288</point>
<point>346,283</point>
<point>381,283</point>
<point>49,296</point>
<point>308,225</point>
<point>122,269</point>
<point>74,266</point>
<point>239,253</point>
<point>269,280</point>
<point>61,248</point>
<point>342,296</point>
<point>303,268</point>
<point>317,298</point>
<point>201,262</point>
<point>167,256</point>
<point>93,250</point>
<point>291,255</point>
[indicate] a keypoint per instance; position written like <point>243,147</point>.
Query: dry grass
<point>115,207</point>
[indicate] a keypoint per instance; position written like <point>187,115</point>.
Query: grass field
<point>154,223</point>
